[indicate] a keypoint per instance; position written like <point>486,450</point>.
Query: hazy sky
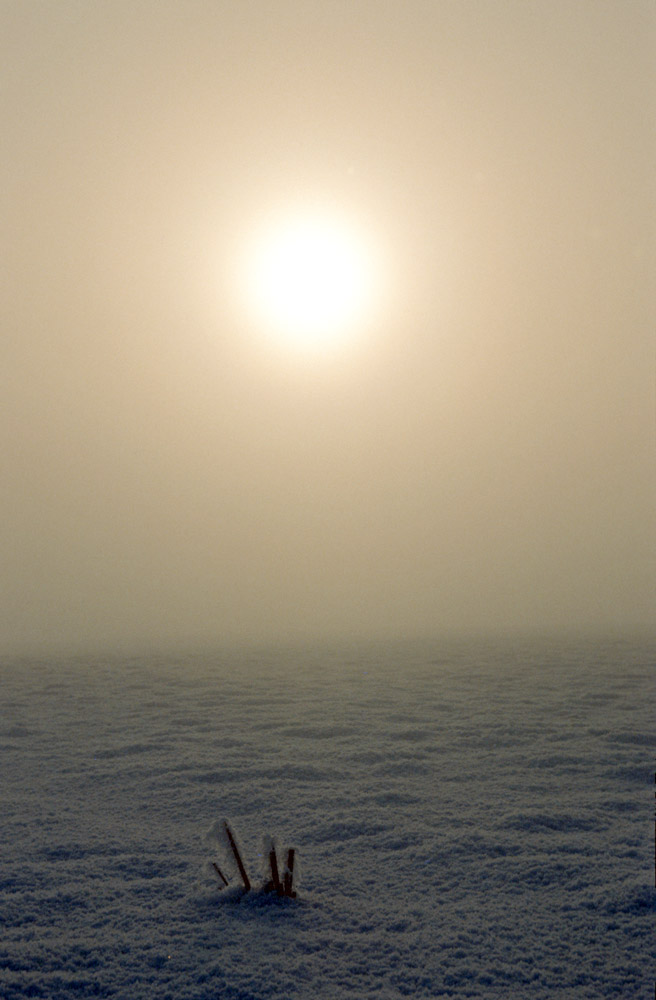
<point>483,457</point>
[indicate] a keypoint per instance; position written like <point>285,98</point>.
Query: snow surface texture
<point>471,820</point>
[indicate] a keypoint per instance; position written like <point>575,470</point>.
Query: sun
<point>308,279</point>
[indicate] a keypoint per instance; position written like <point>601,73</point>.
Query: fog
<point>481,459</point>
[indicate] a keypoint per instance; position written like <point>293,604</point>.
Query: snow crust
<point>472,819</point>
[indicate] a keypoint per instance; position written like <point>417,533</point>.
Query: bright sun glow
<point>309,280</point>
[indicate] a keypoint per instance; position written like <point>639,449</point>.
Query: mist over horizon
<point>257,649</point>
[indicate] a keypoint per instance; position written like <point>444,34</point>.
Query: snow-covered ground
<point>472,820</point>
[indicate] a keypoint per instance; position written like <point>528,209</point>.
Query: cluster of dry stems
<point>283,887</point>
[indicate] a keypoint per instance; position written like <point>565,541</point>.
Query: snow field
<point>472,820</point>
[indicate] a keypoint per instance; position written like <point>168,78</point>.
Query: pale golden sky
<point>482,456</point>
